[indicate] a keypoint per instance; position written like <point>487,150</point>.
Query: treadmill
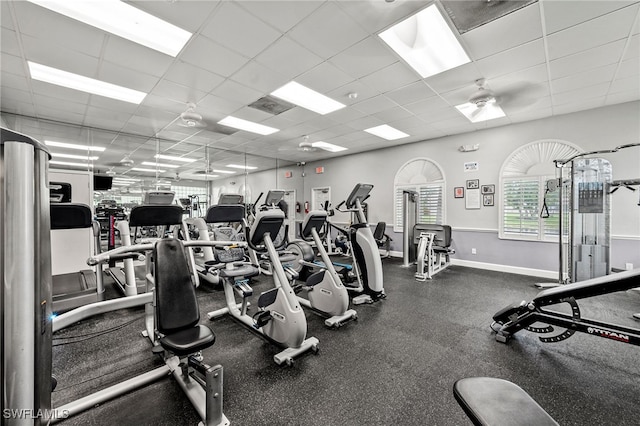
<point>78,288</point>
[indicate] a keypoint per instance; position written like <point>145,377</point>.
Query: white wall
<point>601,128</point>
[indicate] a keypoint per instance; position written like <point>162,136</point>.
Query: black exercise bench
<point>489,401</point>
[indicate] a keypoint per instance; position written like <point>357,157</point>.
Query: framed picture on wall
<point>488,189</point>
<point>487,200</point>
<point>458,192</point>
<point>473,184</point>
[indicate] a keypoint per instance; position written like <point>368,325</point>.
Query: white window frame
<point>519,166</point>
<point>414,175</point>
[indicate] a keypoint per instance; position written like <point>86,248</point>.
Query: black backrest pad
<point>267,225</point>
<point>442,233</point>
<point>176,303</point>
<point>312,220</point>
<point>70,216</point>
<point>381,228</point>
<point>223,213</point>
<point>155,215</point>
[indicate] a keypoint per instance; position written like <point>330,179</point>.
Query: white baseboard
<point>551,275</point>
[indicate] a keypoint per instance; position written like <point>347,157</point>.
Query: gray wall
<point>602,128</point>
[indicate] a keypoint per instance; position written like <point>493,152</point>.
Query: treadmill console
<point>230,199</point>
<point>360,192</point>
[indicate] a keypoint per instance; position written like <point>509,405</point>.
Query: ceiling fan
<point>482,96</point>
<point>306,146</point>
<point>190,118</point>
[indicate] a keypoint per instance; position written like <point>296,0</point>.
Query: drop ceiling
<point>542,59</point>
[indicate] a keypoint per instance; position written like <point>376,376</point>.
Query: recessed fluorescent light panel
<point>123,20</point>
<point>386,132</point>
<point>249,126</point>
<point>74,146</point>
<point>228,172</point>
<point>140,169</point>
<point>425,41</point>
<point>328,146</point>
<point>74,157</point>
<point>84,84</point>
<point>151,163</point>
<point>238,166</point>
<point>490,111</point>
<point>174,158</point>
<point>302,96</point>
<point>69,163</point>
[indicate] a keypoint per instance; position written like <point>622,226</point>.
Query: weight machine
<point>584,188</point>
<point>434,249</point>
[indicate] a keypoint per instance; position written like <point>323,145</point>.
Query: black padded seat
<point>240,271</point>
<point>188,341</point>
<point>490,401</point>
<point>177,311</point>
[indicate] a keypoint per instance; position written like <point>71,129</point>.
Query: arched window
<point>425,177</point>
<point>523,182</point>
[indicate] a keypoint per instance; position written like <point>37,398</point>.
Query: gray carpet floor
<point>395,365</point>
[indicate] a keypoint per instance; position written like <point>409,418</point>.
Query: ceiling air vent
<point>272,105</point>
<point>467,15</point>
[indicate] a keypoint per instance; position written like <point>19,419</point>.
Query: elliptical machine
<point>280,318</point>
<point>367,265</point>
<point>325,291</point>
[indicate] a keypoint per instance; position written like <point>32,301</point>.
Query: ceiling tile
<point>327,31</point>
<point>633,48</point>
<point>582,94</point>
<point>375,104</point>
<point>9,42</point>
<point>59,92</point>
<point>204,53</point>
<point>439,115</point>
<point>489,39</point>
<point>561,14</point>
<point>282,15</point>
<point>453,79</point>
<point>177,92</point>
<point>629,68</point>
<point>186,74</point>
<point>628,84</point>
<point>580,105</point>
<point>14,81</point>
<point>521,57</point>
<point>611,27</point>
<point>598,56</point>
<point>137,57</point>
<point>260,78</point>
<point>375,16</point>
<point>364,57</point>
<point>363,91</point>
<point>530,115</point>
<point>324,77</point>
<point>393,114</point>
<point>236,92</point>
<point>37,22</point>
<point>426,105</point>
<point>14,65</point>
<point>584,79</point>
<point>188,15</point>
<point>126,77</point>
<point>622,97</point>
<point>410,93</point>
<point>57,56</point>
<point>528,99</point>
<point>288,58</point>
<point>112,104</point>
<point>238,30</point>
<point>391,77</point>
<point>218,105</point>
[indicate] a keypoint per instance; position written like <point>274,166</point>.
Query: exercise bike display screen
<point>361,192</point>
